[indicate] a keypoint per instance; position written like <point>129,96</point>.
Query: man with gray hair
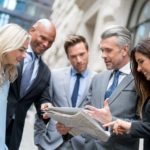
<point>114,87</point>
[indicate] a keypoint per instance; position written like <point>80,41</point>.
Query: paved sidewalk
<point>27,140</point>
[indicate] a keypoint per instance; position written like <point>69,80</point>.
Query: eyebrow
<point>23,48</point>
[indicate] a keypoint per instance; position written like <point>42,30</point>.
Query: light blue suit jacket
<point>47,137</point>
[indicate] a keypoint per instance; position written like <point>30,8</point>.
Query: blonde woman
<point>13,44</point>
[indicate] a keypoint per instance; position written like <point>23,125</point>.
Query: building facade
<point>90,19</point>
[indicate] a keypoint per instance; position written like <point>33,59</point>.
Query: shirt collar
<point>29,50</point>
<point>126,69</point>
<point>83,73</point>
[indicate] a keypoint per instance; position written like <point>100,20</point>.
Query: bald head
<point>43,34</point>
<point>45,23</point>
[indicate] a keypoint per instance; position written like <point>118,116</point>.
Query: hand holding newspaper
<point>79,121</point>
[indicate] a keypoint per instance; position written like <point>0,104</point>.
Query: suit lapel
<point>66,80</point>
<point>19,69</point>
<point>88,82</point>
<point>104,84</point>
<point>127,80</point>
<point>40,75</point>
<point>101,86</point>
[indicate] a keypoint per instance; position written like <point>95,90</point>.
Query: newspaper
<point>79,121</point>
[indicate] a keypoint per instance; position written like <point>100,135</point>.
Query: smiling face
<point>114,55</point>
<point>143,64</point>
<point>78,56</point>
<point>15,56</point>
<point>43,37</point>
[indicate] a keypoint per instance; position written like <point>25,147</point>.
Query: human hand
<point>102,115</point>
<point>62,129</point>
<point>45,106</point>
<point>119,126</point>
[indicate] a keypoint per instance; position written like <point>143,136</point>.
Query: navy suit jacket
<point>38,93</point>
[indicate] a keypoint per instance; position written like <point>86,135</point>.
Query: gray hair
<point>122,33</point>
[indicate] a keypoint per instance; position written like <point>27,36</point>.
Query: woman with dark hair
<point>140,65</point>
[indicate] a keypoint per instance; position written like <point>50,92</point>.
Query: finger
<point>59,125</point>
<point>106,100</point>
<point>45,106</point>
<point>46,116</point>
<point>110,124</point>
<point>89,107</point>
<point>106,104</point>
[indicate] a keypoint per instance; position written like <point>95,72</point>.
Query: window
<point>139,22</point>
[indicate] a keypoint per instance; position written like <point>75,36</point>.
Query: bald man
<point>32,84</point>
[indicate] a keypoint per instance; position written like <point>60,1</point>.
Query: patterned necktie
<point>114,84</point>
<point>75,90</point>
<point>26,75</point>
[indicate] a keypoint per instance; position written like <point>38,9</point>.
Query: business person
<point>63,82</point>
<point>140,64</point>
<point>14,42</point>
<point>117,84</point>
<point>32,84</point>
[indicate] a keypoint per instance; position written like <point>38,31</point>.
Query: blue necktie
<point>75,90</point>
<point>27,74</point>
<point>114,84</point>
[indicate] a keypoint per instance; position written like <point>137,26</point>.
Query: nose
<point>24,54</point>
<point>78,59</point>
<point>104,54</point>
<point>46,44</point>
<point>139,68</point>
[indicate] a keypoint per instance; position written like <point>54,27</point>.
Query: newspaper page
<point>79,121</point>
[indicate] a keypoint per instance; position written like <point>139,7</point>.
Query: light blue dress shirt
<point>3,105</point>
<point>83,83</point>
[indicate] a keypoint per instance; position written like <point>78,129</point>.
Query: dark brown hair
<point>142,84</point>
<point>73,40</point>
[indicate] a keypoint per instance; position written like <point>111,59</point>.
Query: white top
<point>3,105</point>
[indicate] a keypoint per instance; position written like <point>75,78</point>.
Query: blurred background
<point>86,17</point>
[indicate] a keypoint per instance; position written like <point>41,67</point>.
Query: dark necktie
<point>114,84</point>
<point>75,90</point>
<point>26,76</point>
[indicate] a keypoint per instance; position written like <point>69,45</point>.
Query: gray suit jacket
<point>47,137</point>
<point>122,104</point>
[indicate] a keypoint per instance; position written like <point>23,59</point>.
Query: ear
<point>31,30</point>
<point>125,50</point>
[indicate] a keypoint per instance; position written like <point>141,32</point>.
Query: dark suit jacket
<point>37,93</point>
<point>141,129</point>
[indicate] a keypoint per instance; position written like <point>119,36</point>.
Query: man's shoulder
<point>60,70</point>
<point>91,73</point>
<point>102,74</point>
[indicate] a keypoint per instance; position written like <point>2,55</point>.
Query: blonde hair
<point>12,37</point>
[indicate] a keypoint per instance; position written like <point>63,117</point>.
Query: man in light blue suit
<point>123,99</point>
<point>63,82</point>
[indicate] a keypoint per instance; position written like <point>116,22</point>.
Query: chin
<point>109,67</point>
<point>15,63</point>
<point>148,78</point>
